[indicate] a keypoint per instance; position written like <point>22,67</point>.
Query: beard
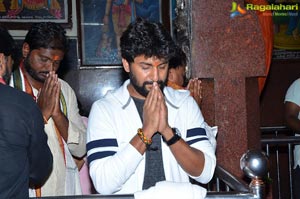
<point>30,71</point>
<point>142,90</point>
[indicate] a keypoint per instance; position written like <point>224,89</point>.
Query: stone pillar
<point>231,52</point>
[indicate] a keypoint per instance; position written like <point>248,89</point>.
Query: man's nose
<point>50,65</point>
<point>155,74</point>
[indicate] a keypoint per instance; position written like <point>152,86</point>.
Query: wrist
<point>144,139</point>
<point>167,133</point>
<point>58,115</point>
<point>46,116</point>
<point>45,119</point>
<point>175,138</point>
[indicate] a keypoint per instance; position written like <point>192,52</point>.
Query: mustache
<point>44,72</point>
<point>151,82</point>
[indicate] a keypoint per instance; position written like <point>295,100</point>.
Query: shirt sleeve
<point>197,137</point>
<point>77,129</point>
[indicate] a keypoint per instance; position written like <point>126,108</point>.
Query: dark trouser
<point>296,182</point>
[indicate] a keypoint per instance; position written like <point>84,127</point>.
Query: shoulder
<point>15,94</point>
<point>293,94</point>
<point>177,97</point>
<point>295,86</point>
<point>65,84</point>
<point>110,99</point>
<point>176,93</point>
<point>66,89</point>
<point>17,99</point>
<point>118,96</point>
<point>296,83</point>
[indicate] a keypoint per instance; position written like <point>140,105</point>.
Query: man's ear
<point>2,64</point>
<point>171,74</point>
<point>25,49</point>
<point>125,65</point>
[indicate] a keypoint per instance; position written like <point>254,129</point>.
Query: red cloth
<point>266,24</point>
<point>2,81</point>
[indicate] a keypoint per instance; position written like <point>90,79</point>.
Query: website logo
<point>276,9</point>
<point>236,10</point>
<point>273,7</point>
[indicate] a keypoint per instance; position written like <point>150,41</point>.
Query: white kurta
<point>64,178</point>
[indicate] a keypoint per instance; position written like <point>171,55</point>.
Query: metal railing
<point>227,186</point>
<point>223,181</point>
<point>235,189</point>
<point>278,142</point>
<point>225,195</point>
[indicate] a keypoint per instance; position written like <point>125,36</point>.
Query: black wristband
<point>174,139</point>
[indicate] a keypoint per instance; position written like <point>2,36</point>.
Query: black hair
<point>146,38</point>
<point>47,35</point>
<point>7,43</point>
<point>179,60</point>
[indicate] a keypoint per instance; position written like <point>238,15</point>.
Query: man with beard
<point>143,132</point>
<point>25,156</point>
<point>43,49</point>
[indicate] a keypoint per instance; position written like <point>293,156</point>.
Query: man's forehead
<point>56,58</point>
<point>154,60</point>
<point>53,54</point>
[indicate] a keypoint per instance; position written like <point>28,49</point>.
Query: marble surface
<point>229,50</point>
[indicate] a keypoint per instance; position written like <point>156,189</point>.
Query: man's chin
<point>39,79</point>
<point>143,92</point>
<point>148,88</point>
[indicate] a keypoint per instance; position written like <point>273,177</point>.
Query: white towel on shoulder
<point>174,190</point>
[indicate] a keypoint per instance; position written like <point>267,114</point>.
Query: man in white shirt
<point>43,49</point>
<point>145,132</point>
